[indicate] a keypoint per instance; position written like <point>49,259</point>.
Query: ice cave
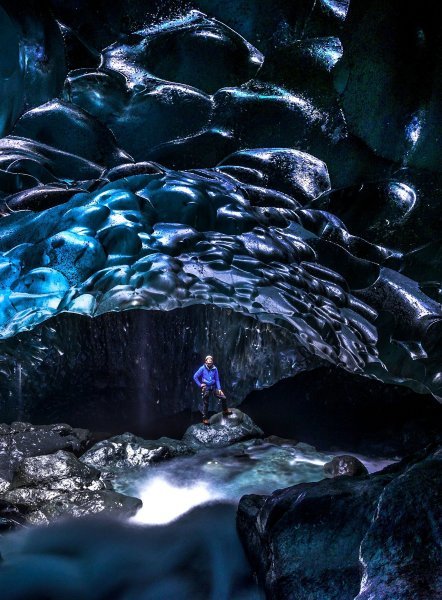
<point>220,300</point>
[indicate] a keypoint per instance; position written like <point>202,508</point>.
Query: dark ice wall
<point>134,369</point>
<point>260,180</point>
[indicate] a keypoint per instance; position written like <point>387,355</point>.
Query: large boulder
<point>345,465</point>
<point>57,485</point>
<point>58,471</point>
<point>19,441</point>
<point>26,499</point>
<point>128,451</point>
<point>401,551</point>
<point>34,440</point>
<point>222,431</point>
<point>305,541</point>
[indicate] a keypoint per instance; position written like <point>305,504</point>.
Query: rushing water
<point>183,542</point>
<point>171,488</point>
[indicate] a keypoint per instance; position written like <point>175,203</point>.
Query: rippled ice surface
<point>171,488</point>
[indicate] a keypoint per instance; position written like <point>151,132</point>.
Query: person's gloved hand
<point>203,385</point>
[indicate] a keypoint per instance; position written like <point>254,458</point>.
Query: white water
<point>172,488</point>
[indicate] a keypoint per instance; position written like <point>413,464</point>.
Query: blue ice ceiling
<point>163,160</point>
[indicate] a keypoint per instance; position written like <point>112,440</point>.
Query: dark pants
<point>205,395</point>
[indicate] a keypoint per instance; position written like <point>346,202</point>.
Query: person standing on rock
<point>207,378</point>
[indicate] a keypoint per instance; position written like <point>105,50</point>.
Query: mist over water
<point>197,556</point>
<point>169,489</point>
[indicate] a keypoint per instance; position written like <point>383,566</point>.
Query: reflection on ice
<point>170,489</point>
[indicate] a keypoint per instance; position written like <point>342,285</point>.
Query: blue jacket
<point>208,376</point>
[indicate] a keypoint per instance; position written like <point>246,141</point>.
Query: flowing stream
<point>171,488</point>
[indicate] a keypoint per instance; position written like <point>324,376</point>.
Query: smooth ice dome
<point>224,237</point>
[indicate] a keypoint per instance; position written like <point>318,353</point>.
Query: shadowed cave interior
<point>255,180</point>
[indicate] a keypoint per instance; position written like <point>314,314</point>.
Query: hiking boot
<point>206,422</point>
<point>227,412</point>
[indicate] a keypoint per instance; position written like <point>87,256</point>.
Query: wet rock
<point>28,499</point>
<point>280,441</point>
<point>128,451</point>
<point>6,469</point>
<point>58,471</point>
<point>175,447</point>
<point>345,465</point>
<point>304,541</point>
<point>19,441</point>
<point>41,506</point>
<point>23,440</point>
<point>81,504</point>
<point>10,516</point>
<point>306,448</point>
<point>400,552</point>
<point>57,485</point>
<point>222,431</point>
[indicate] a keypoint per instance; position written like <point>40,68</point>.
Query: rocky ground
<point>53,471</point>
<point>42,478</point>
<point>364,536</point>
<point>351,535</point>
